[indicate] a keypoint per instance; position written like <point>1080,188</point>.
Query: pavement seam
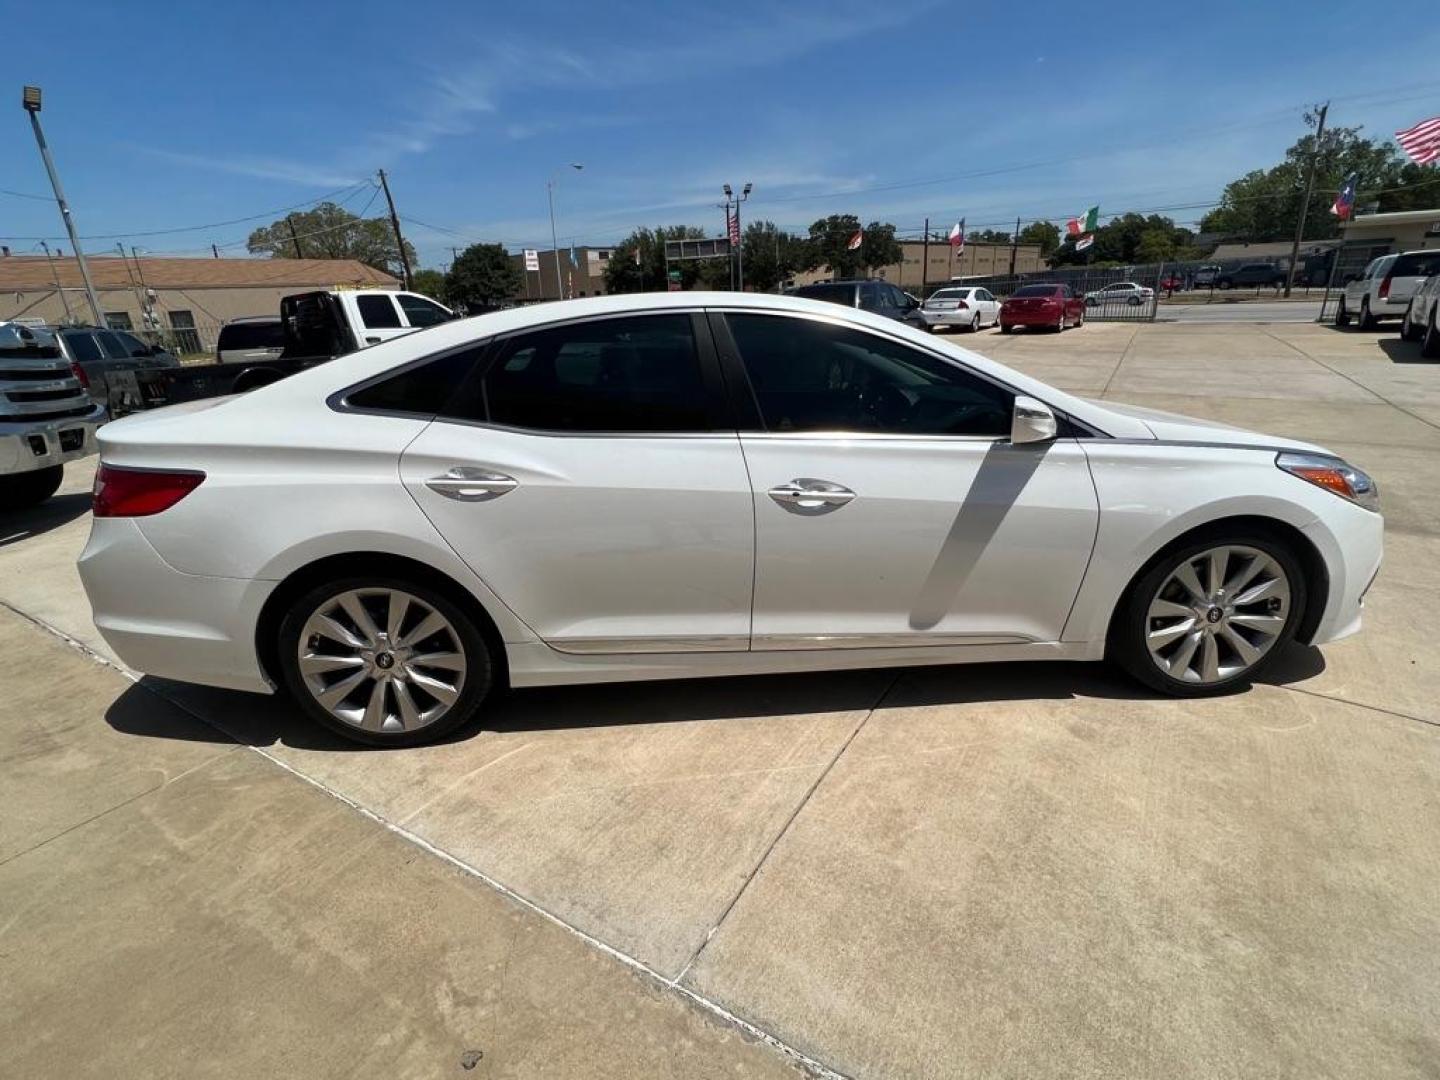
<point>804,801</point>
<point>714,1008</point>
<point>1358,704</point>
<point>1352,380</point>
<point>1124,353</point>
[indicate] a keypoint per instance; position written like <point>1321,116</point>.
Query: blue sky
<point>164,115</point>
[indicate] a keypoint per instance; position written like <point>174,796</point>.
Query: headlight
<point>1335,475</point>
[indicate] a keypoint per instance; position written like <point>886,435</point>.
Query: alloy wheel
<point>381,660</point>
<point>1217,614</point>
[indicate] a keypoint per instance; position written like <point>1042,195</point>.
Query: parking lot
<point>966,871</point>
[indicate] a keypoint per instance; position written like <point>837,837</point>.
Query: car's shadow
<point>58,510</point>
<point>1401,351</point>
<point>201,713</point>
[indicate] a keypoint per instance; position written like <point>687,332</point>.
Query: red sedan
<point>1051,306</point>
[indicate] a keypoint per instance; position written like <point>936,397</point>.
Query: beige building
<point>190,298</point>
<point>945,264</point>
<point>584,275</point>
<point>1404,230</point>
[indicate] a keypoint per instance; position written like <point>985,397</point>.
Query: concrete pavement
<point>981,871</point>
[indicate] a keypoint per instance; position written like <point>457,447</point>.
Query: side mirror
<point>1032,422</point>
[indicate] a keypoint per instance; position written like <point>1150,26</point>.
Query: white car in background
<point>1422,317</point>
<point>1121,292</point>
<point>657,486</point>
<point>967,308</point>
<point>1384,290</point>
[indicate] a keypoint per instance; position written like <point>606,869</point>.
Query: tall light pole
<point>31,100</point>
<point>554,239</point>
<point>732,201</point>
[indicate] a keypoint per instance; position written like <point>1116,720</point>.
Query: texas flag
<point>1344,203</point>
<point>957,235</point>
<point>853,244</point>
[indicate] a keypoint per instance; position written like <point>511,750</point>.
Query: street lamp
<point>30,100</point>
<point>554,239</point>
<point>732,202</point>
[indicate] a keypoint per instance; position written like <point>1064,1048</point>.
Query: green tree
<point>772,255</point>
<point>987,236</point>
<point>1264,204</point>
<point>879,247</point>
<point>331,232</point>
<point>482,276</point>
<point>1044,233</point>
<point>623,275</point>
<point>429,282</point>
<point>829,246</point>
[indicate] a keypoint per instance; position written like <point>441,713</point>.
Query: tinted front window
<point>133,345</point>
<point>83,346</point>
<point>833,294</point>
<point>632,374</point>
<point>1035,290</point>
<point>252,335</point>
<point>423,312</point>
<point>378,312</point>
<point>811,376</point>
<point>870,298</point>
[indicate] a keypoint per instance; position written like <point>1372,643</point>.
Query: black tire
<point>1367,321</point>
<point>1408,330</point>
<point>1006,328</point>
<point>1430,343</point>
<point>975,324</point>
<point>23,490</point>
<point>1224,284</point>
<point>481,662</point>
<point>1342,314</point>
<point>1126,645</point>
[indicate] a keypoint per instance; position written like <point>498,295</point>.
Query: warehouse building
<point>187,300</point>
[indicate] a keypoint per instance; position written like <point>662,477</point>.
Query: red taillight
<point>1385,287</point>
<point>960,305</point>
<point>79,373</point>
<point>123,492</point>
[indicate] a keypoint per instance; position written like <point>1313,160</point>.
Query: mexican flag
<point>1084,241</point>
<point>1085,223</point>
<point>853,244</point>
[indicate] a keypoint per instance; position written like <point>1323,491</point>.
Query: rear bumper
<point>163,622</point>
<point>948,318</point>
<point>1029,318</point>
<point>29,445</point>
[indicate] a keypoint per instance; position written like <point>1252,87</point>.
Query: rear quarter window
<point>1417,264</point>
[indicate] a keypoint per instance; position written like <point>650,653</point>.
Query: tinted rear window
<point>1417,264</point>
<point>950,294</point>
<point>83,347</point>
<point>256,335</point>
<point>1036,290</point>
<point>834,294</point>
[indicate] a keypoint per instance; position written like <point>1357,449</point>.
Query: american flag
<point>732,223</point>
<point>1421,142</point>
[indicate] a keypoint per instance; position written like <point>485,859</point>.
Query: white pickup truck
<point>46,416</point>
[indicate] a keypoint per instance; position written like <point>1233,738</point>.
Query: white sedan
<point>1121,292</point>
<point>676,485</point>
<point>969,308</point>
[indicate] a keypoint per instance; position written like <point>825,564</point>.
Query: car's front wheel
<point>1342,314</point>
<point>384,661</point>
<point>1209,615</point>
<point>20,490</point>
<point>1367,320</point>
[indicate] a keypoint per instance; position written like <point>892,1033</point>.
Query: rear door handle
<point>807,495</point>
<point>465,483</point>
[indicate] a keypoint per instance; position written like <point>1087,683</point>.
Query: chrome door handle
<point>808,495</point>
<point>467,484</point>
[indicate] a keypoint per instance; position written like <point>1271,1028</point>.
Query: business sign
<point>713,248</point>
<point>532,259</point>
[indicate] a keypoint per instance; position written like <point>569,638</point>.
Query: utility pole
<point>395,224</point>
<point>135,288</point>
<point>925,262</point>
<point>31,100</point>
<point>1305,206</point>
<point>294,239</point>
<point>69,318</point>
<point>140,272</point>
<point>1014,246</point>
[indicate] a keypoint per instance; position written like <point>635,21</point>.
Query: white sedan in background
<point>1121,292</point>
<point>676,485</point>
<point>968,308</point>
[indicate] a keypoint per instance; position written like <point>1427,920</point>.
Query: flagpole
<point>925,262</point>
<point>1305,206</point>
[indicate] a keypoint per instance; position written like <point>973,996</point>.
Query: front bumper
<point>27,445</point>
<point>1352,543</point>
<point>163,622</point>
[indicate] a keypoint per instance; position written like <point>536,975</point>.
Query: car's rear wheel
<point>1342,314</point>
<point>21,490</point>
<point>1209,615</point>
<point>975,324</point>
<point>384,661</point>
<point>1408,330</point>
<point>1430,343</point>
<point>1005,328</point>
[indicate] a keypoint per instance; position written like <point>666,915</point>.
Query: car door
<point>589,472</point>
<point>379,318</point>
<point>989,307</point>
<point>890,507</point>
